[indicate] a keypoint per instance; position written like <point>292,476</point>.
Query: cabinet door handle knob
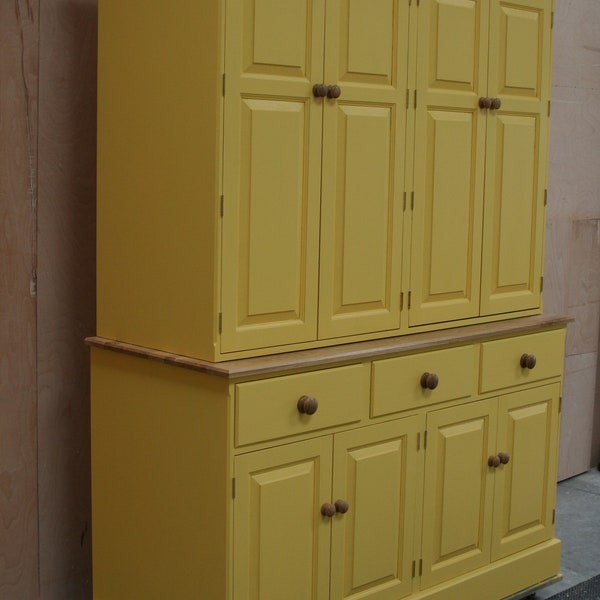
<point>328,509</point>
<point>494,461</point>
<point>319,90</point>
<point>504,458</point>
<point>429,381</point>
<point>341,506</point>
<point>485,102</point>
<point>528,361</point>
<point>307,405</point>
<point>496,103</point>
<point>334,91</point>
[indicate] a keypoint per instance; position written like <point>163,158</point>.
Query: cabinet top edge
<point>344,353</point>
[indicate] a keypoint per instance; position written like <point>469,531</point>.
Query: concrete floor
<point>578,526</point>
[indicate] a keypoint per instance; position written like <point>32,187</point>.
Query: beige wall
<point>572,270</point>
<point>47,137</point>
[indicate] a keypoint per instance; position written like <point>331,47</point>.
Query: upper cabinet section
<point>277,175</point>
<point>313,174</point>
<point>483,79</point>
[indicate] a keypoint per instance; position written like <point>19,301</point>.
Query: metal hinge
<point>560,404</point>
<point>549,107</point>
<point>553,516</point>
<point>545,197</point>
<point>222,206</point>
<point>224,82</point>
<point>233,487</point>
<point>552,20</point>
<point>220,322</point>
<point>541,284</point>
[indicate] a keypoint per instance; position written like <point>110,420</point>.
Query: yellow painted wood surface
<point>517,139</point>
<point>375,471</point>
<point>160,480</point>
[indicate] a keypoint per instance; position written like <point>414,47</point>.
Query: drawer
<point>268,409</point>
<point>398,385</point>
<point>501,359</point>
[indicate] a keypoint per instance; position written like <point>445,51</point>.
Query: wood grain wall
<point>47,222</point>
<point>19,21</point>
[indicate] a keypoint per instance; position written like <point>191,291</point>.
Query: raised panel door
<point>519,75</point>
<point>458,491</point>
<point>271,174</point>
<point>363,166</point>
<point>375,471</point>
<point>281,541</point>
<point>525,487</point>
<point>449,161</point>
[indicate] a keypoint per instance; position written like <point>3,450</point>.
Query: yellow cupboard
<point>321,371</point>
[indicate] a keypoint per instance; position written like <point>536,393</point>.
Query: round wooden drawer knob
<point>496,103</point>
<point>429,381</point>
<point>342,506</point>
<point>319,90</point>
<point>494,461</point>
<point>307,405</point>
<point>328,509</point>
<point>528,361</point>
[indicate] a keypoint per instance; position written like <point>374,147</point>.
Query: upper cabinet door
<point>272,170</point>
<point>449,160</point>
<point>364,128</point>
<point>519,76</point>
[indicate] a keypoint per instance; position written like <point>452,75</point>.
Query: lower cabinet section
<point>489,481</point>
<point>364,479</point>
<point>334,509</point>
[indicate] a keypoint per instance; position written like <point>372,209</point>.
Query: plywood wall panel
<point>18,173</point>
<point>66,291</point>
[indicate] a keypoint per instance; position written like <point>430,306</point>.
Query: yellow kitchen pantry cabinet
<point>321,371</point>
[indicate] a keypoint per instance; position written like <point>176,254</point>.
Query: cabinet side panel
<point>159,480</point>
<point>159,80</point>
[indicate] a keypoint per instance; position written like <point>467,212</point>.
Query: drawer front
<point>398,385</point>
<point>501,359</point>
<point>268,409</point>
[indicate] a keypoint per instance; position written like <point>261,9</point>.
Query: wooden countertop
<point>342,353</point>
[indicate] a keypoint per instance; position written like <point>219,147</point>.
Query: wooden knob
<point>307,405</point>
<point>528,361</point>
<point>496,103</point>
<point>334,91</point>
<point>493,461</point>
<point>328,509</point>
<point>485,102</point>
<point>319,90</point>
<point>341,506</point>
<point>429,381</point>
<point>503,457</point>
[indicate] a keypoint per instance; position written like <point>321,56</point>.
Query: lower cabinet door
<point>525,487</point>
<point>281,539</point>
<point>374,477</point>
<point>458,490</point>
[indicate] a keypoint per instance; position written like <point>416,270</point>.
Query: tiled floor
<point>578,526</point>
